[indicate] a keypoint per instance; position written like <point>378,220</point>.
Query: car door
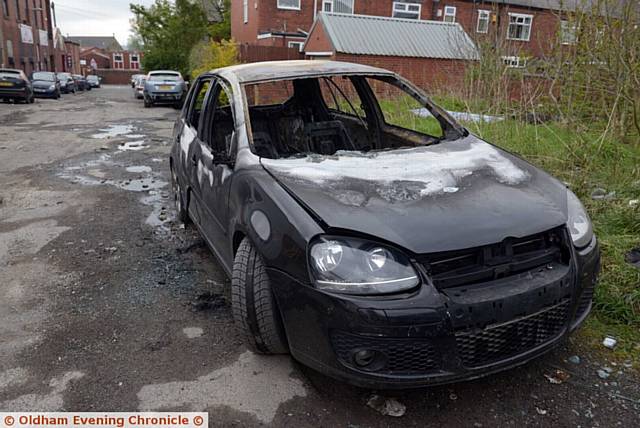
<point>215,167</point>
<point>189,154</point>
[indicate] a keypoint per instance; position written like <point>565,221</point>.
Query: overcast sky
<point>96,17</point>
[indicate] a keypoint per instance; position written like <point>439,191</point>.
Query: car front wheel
<point>179,200</point>
<point>254,307</point>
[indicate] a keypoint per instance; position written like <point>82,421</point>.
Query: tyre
<point>179,200</point>
<point>255,312</point>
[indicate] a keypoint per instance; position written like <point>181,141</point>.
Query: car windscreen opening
<point>334,114</point>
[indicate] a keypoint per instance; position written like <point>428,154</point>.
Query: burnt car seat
<point>328,137</point>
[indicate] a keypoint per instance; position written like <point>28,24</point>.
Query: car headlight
<point>356,266</point>
<point>578,221</point>
<point>52,87</point>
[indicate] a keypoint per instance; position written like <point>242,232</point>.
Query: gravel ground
<point>109,305</point>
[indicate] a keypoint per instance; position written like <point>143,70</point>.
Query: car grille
<point>585,300</point>
<point>501,341</point>
<point>491,262</point>
<point>401,356</point>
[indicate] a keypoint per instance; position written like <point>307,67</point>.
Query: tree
<point>220,30</point>
<point>134,43</point>
<point>169,31</point>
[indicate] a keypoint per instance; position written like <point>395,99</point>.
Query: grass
<point>585,160</point>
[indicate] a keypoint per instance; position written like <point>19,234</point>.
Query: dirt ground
<point>109,305</point>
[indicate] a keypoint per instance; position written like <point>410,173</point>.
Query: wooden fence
<point>255,53</point>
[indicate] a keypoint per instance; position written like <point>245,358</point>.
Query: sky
<point>96,17</point>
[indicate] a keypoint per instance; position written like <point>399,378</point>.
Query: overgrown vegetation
<point>576,114</point>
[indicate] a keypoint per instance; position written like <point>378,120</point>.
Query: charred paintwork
<point>479,207</point>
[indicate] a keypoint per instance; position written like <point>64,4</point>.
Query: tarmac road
<point>109,305</point>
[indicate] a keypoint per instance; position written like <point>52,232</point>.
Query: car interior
<point>327,115</point>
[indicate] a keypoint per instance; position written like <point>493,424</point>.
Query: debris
<point>206,301</point>
<point>111,249</point>
<point>610,342</point>
<point>198,244</point>
<point>557,377</point>
<point>541,411</point>
<point>574,359</point>
<point>453,396</point>
<point>633,257</point>
<point>386,406</point>
<point>634,203</point>
<point>602,374</point>
<point>601,194</point>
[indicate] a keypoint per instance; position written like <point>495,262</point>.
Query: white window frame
<point>519,16</point>
<point>294,43</point>
<point>245,11</point>
<point>514,61</point>
<point>483,14</point>
<point>118,63</point>
<point>136,62</point>
<point>448,13</point>
<point>285,7</point>
<point>331,6</point>
<point>403,7</point>
<point>568,32</point>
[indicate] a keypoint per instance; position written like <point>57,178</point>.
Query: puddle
<point>113,131</point>
<point>132,146</point>
<point>138,168</point>
<point>160,215</point>
<point>141,184</point>
<point>137,136</point>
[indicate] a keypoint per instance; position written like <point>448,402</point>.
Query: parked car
<point>93,81</point>
<point>164,87</point>
<point>14,85</point>
<point>45,84</point>
<point>81,82</point>
<point>134,79</point>
<point>67,84</point>
<point>138,90</point>
<point>369,234</point>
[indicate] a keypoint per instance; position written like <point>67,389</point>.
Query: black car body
<point>45,84</point>
<point>81,82</point>
<point>377,254</point>
<point>93,81</point>
<point>14,85</point>
<point>67,84</point>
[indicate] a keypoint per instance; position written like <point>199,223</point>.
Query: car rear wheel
<point>179,200</point>
<point>255,312</point>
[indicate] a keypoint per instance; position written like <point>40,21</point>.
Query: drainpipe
<point>315,9</point>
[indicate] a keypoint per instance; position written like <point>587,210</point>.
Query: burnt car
<point>15,86</point>
<point>67,84</point>
<point>45,84</point>
<point>369,234</point>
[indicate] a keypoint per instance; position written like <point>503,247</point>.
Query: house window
<point>18,10</point>
<point>406,10</point>
<point>514,61</point>
<point>483,21</point>
<point>5,7</point>
<point>118,60</point>
<point>135,62</point>
<point>449,14</point>
<point>338,6</point>
<point>289,4</point>
<point>245,10</point>
<point>297,45</point>
<point>567,33</point>
<point>519,27</point>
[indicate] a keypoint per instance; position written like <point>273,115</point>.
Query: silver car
<point>164,87</point>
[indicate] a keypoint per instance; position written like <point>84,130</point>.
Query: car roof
<point>177,73</point>
<point>10,70</point>
<point>282,70</point>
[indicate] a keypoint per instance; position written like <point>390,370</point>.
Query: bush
<point>209,55</point>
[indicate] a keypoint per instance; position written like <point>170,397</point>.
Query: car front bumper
<point>437,336</point>
<point>44,93</point>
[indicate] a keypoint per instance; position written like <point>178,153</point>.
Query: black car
<point>45,84</point>
<point>67,84</point>
<point>15,86</point>
<point>93,81</point>
<point>81,82</point>
<point>369,234</point>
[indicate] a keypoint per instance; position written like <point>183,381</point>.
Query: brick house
<point>523,28</point>
<point>436,57</point>
<point>26,35</point>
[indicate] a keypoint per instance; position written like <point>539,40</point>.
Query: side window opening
<point>221,122</point>
<point>197,102</point>
<point>402,111</point>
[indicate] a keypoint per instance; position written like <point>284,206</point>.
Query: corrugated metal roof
<point>378,35</point>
